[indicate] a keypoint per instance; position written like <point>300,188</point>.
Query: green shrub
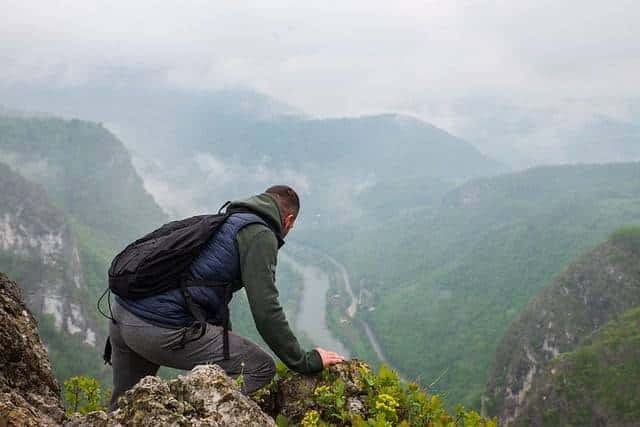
<point>83,394</point>
<point>387,402</point>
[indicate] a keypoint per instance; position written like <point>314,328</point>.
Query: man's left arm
<point>258,249</point>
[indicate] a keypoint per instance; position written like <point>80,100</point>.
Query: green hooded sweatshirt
<point>258,249</point>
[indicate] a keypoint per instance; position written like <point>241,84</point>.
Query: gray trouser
<point>139,348</point>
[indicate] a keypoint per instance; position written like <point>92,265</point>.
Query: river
<point>311,317</point>
<point>351,312</point>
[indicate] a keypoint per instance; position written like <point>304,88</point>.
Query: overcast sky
<point>335,58</point>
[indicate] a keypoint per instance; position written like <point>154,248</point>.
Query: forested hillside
<point>447,282</point>
<point>85,170</point>
<point>597,383</point>
<point>597,288</point>
<point>86,201</point>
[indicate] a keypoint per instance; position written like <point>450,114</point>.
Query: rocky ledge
<point>204,397</point>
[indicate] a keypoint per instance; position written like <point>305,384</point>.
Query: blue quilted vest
<point>219,261</point>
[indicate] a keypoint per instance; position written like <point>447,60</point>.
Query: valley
<point>421,273</point>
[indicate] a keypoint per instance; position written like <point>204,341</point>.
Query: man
<point>158,330</point>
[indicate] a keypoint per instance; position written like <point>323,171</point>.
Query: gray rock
<point>204,397</point>
<point>356,407</point>
<point>29,393</point>
<point>295,393</point>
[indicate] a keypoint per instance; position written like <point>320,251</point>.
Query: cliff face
<point>38,249</point>
<point>29,394</point>
<point>596,384</point>
<point>591,292</point>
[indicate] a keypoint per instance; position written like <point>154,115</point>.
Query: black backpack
<point>159,261</point>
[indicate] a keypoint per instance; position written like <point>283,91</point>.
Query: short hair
<point>286,197</point>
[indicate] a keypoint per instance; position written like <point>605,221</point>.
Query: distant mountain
<point>70,199</point>
<point>572,355</point>
<point>446,281</point>
<point>384,146</point>
<point>147,116</point>
<point>196,149</point>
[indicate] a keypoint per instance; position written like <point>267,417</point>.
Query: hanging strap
<point>197,314</point>
<point>225,323</point>
<point>108,293</point>
<point>106,356</point>
<point>199,323</point>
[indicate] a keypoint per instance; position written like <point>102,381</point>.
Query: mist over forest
<point>469,178</point>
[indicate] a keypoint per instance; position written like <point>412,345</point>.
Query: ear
<point>288,219</point>
<point>287,223</point>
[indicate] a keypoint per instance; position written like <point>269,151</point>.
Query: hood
<point>265,206</point>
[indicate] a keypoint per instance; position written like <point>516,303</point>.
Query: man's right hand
<point>329,357</point>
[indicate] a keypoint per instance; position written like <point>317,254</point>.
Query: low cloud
<point>220,174</point>
<point>334,59</point>
<point>204,182</point>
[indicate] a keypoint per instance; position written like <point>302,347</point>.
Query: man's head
<point>288,203</point>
